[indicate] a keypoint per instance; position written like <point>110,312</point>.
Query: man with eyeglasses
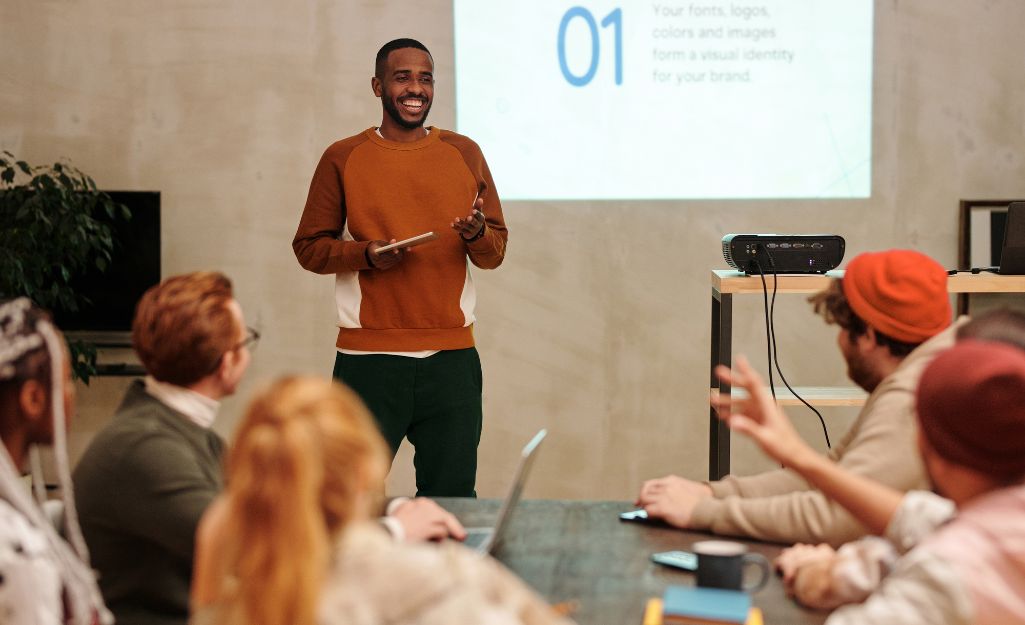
<point>146,479</point>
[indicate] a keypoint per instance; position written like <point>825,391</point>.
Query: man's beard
<point>393,112</point>
<point>861,374</point>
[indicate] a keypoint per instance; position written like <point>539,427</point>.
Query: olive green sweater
<point>140,490</point>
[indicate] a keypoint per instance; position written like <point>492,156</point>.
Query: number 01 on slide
<point>663,99</point>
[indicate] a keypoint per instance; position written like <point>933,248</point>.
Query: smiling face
<point>406,88</point>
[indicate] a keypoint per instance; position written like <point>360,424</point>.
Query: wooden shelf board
<point>815,395</point>
<point>736,282</point>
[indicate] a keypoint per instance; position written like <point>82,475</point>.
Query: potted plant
<point>49,235</point>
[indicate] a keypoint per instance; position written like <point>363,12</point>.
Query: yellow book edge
<point>653,614</point>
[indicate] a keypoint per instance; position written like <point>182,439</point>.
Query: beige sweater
<point>376,581</point>
<point>881,444</point>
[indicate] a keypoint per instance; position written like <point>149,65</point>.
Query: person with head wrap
<point>43,579</point>
<point>960,551</point>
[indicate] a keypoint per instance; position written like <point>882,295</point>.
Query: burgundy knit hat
<point>901,293</point>
<point>971,407</point>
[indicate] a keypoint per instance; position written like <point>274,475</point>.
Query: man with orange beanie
<point>894,316</point>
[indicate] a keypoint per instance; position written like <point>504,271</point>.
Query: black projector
<point>783,253</point>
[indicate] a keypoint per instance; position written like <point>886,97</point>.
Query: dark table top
<point>580,551</point>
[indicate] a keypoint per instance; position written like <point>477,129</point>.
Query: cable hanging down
<point>770,339</point>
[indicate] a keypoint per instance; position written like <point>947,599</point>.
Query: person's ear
<point>375,84</point>
<point>228,363</point>
<point>32,399</point>
<point>869,338</point>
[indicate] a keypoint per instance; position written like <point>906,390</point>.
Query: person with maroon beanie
<point>894,316</point>
<point>958,553</point>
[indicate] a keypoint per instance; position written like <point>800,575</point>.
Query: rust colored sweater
<point>367,188</point>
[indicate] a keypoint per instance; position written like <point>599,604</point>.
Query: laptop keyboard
<point>474,539</point>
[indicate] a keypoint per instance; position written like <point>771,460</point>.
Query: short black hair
<point>391,46</point>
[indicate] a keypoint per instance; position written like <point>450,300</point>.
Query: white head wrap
<point>16,340</point>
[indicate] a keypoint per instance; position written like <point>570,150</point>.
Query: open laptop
<point>488,539</point>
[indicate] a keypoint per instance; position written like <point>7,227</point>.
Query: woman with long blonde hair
<point>292,541</point>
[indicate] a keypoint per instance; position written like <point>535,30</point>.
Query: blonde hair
<point>306,453</point>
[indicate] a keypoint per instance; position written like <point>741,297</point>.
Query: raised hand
<point>757,415</point>
<point>469,226</point>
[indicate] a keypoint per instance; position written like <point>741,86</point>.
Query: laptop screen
<point>519,481</point>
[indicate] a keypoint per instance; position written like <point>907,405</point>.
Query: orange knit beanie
<point>901,293</point>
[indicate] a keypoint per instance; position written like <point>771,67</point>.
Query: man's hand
<point>386,260</point>
<point>808,574</point>
<point>672,499</point>
<point>422,519</point>
<point>758,416</point>
<point>471,225</point>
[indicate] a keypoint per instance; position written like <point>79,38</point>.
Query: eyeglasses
<point>252,336</point>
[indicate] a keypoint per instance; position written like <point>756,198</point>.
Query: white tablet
<point>419,239</point>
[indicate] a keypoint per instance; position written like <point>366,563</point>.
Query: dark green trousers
<point>435,402</point>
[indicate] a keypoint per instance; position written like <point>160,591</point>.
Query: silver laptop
<point>488,539</point>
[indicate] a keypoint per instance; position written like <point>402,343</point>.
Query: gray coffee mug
<point>721,564</point>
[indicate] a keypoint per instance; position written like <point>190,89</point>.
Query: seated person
<point>291,541</point>
<point>954,569</point>
<point>820,577</point>
<point>43,580</point>
<point>1002,325</point>
<point>146,479</point>
<point>894,314</point>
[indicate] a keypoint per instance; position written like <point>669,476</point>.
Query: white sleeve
<point>30,582</point>
<point>923,589</point>
<point>919,514</point>
<point>860,567</point>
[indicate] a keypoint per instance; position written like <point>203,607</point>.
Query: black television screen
<point>134,267</point>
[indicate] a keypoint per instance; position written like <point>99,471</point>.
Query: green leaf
<point>25,168</point>
<point>7,175</point>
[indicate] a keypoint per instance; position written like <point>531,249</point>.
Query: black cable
<point>769,339</point>
<point>771,336</point>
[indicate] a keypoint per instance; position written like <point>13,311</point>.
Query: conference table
<point>580,551</point>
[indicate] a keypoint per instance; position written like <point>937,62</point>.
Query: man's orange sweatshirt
<point>367,188</point>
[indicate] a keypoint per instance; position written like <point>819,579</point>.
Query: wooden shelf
<point>985,283</point>
<point>824,396</point>
<point>736,282</point>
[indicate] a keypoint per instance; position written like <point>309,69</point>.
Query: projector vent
<point>728,255</point>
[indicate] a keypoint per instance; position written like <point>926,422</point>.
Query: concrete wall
<point>225,106</point>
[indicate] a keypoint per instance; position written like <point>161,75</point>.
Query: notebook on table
<point>692,605</point>
<point>653,614</point>
<point>488,539</point>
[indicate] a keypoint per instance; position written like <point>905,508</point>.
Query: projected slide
<point>668,100</point>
